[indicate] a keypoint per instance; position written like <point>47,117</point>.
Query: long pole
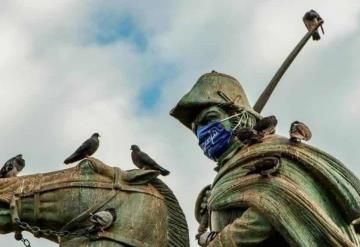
<point>264,97</point>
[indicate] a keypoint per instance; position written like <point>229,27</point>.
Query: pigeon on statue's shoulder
<point>266,125</point>
<point>248,136</point>
<point>299,131</point>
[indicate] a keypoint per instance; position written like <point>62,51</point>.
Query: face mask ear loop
<point>235,115</point>
<point>243,116</point>
<point>240,120</point>
<point>237,125</point>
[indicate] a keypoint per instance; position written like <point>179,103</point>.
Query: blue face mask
<point>214,139</point>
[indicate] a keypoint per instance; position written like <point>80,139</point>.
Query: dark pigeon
<point>311,19</point>
<point>144,161</point>
<point>102,220</point>
<point>12,167</point>
<point>86,149</point>
<point>248,136</point>
<point>299,131</point>
<point>266,125</point>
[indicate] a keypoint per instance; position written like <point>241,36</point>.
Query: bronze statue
<point>58,206</point>
<point>271,193</point>
<point>268,191</point>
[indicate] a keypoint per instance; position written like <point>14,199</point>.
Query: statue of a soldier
<point>304,197</point>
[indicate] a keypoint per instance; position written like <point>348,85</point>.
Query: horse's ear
<point>139,176</point>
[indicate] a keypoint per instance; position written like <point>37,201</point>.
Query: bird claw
<point>295,140</point>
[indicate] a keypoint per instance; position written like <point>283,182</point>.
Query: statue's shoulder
<point>308,184</point>
<point>276,146</point>
<point>313,173</point>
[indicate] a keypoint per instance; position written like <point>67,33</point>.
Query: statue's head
<point>214,109</point>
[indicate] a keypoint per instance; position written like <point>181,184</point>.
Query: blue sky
<point>70,68</point>
<point>111,27</point>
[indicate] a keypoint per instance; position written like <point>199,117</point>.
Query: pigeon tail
<point>71,159</point>
<point>164,172</point>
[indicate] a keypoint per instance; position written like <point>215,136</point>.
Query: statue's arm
<point>250,229</point>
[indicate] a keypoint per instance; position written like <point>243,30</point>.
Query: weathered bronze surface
<point>308,198</point>
<point>148,214</point>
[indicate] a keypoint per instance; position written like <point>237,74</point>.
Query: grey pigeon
<point>311,19</point>
<point>86,149</point>
<point>102,220</point>
<point>144,161</point>
<point>248,136</point>
<point>12,167</point>
<point>299,131</point>
<point>266,125</point>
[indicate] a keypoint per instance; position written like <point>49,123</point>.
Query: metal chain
<point>26,242</point>
<point>37,231</point>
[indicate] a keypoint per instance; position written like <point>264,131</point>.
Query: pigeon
<point>248,136</point>
<point>311,19</point>
<point>299,131</point>
<point>86,149</point>
<point>144,161</point>
<point>266,166</point>
<point>266,125</point>
<point>102,220</point>
<point>12,167</point>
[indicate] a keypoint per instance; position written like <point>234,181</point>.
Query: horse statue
<point>57,206</point>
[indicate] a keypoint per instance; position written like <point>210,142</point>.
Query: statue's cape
<point>312,200</point>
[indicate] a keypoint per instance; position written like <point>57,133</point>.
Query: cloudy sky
<point>70,68</point>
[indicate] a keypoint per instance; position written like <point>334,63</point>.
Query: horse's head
<point>63,200</point>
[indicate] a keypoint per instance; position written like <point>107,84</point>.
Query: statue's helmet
<point>211,89</point>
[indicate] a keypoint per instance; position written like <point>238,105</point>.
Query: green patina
<point>148,213</point>
<point>310,199</point>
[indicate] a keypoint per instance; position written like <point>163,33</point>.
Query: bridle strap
<point>117,178</point>
<point>112,194</point>
<point>15,208</point>
<point>37,191</point>
<point>86,214</point>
